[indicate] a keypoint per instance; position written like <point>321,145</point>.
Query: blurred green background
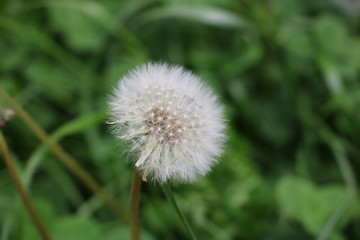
<point>286,70</point>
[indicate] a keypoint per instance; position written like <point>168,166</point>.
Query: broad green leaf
<point>299,199</point>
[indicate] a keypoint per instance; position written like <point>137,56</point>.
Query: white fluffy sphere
<point>172,119</point>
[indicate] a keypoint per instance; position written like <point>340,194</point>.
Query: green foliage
<point>310,205</point>
<point>286,70</point>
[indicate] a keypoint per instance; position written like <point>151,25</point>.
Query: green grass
<point>287,71</point>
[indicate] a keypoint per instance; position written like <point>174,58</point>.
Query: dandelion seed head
<point>172,117</point>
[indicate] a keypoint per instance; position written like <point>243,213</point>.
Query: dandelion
<point>172,120</point>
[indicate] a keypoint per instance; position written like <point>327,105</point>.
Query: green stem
<point>135,205</point>
<point>19,186</point>
<point>343,162</point>
<point>169,195</point>
<point>65,158</point>
<point>335,218</point>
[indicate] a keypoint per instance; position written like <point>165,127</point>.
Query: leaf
<point>46,212</point>
<point>53,81</point>
<point>291,193</point>
<point>288,7</point>
<point>79,31</point>
<point>75,228</point>
<point>97,19</point>
<point>123,232</point>
<point>75,126</point>
<point>299,199</point>
<point>35,37</point>
<point>117,233</point>
<point>331,36</point>
<point>206,15</point>
<point>12,54</point>
<point>333,80</point>
<point>295,38</point>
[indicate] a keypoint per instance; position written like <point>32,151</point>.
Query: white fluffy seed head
<point>172,119</point>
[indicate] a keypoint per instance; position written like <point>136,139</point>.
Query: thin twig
<point>169,195</point>
<point>65,158</point>
<point>135,205</point>
<point>24,196</point>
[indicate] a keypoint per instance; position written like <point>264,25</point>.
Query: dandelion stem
<point>65,158</point>
<point>135,205</point>
<point>24,196</point>
<point>169,195</point>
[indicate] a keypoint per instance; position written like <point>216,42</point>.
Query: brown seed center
<point>163,124</point>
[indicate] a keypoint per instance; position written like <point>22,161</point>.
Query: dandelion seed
<point>168,143</point>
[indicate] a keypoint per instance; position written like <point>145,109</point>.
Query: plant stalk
<point>135,205</point>
<point>169,195</point>
<point>65,158</point>
<point>19,186</point>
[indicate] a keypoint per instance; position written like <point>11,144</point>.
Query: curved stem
<point>169,195</point>
<point>65,158</point>
<point>135,205</point>
<point>24,196</point>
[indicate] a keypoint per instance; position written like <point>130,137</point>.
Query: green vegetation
<point>287,71</point>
